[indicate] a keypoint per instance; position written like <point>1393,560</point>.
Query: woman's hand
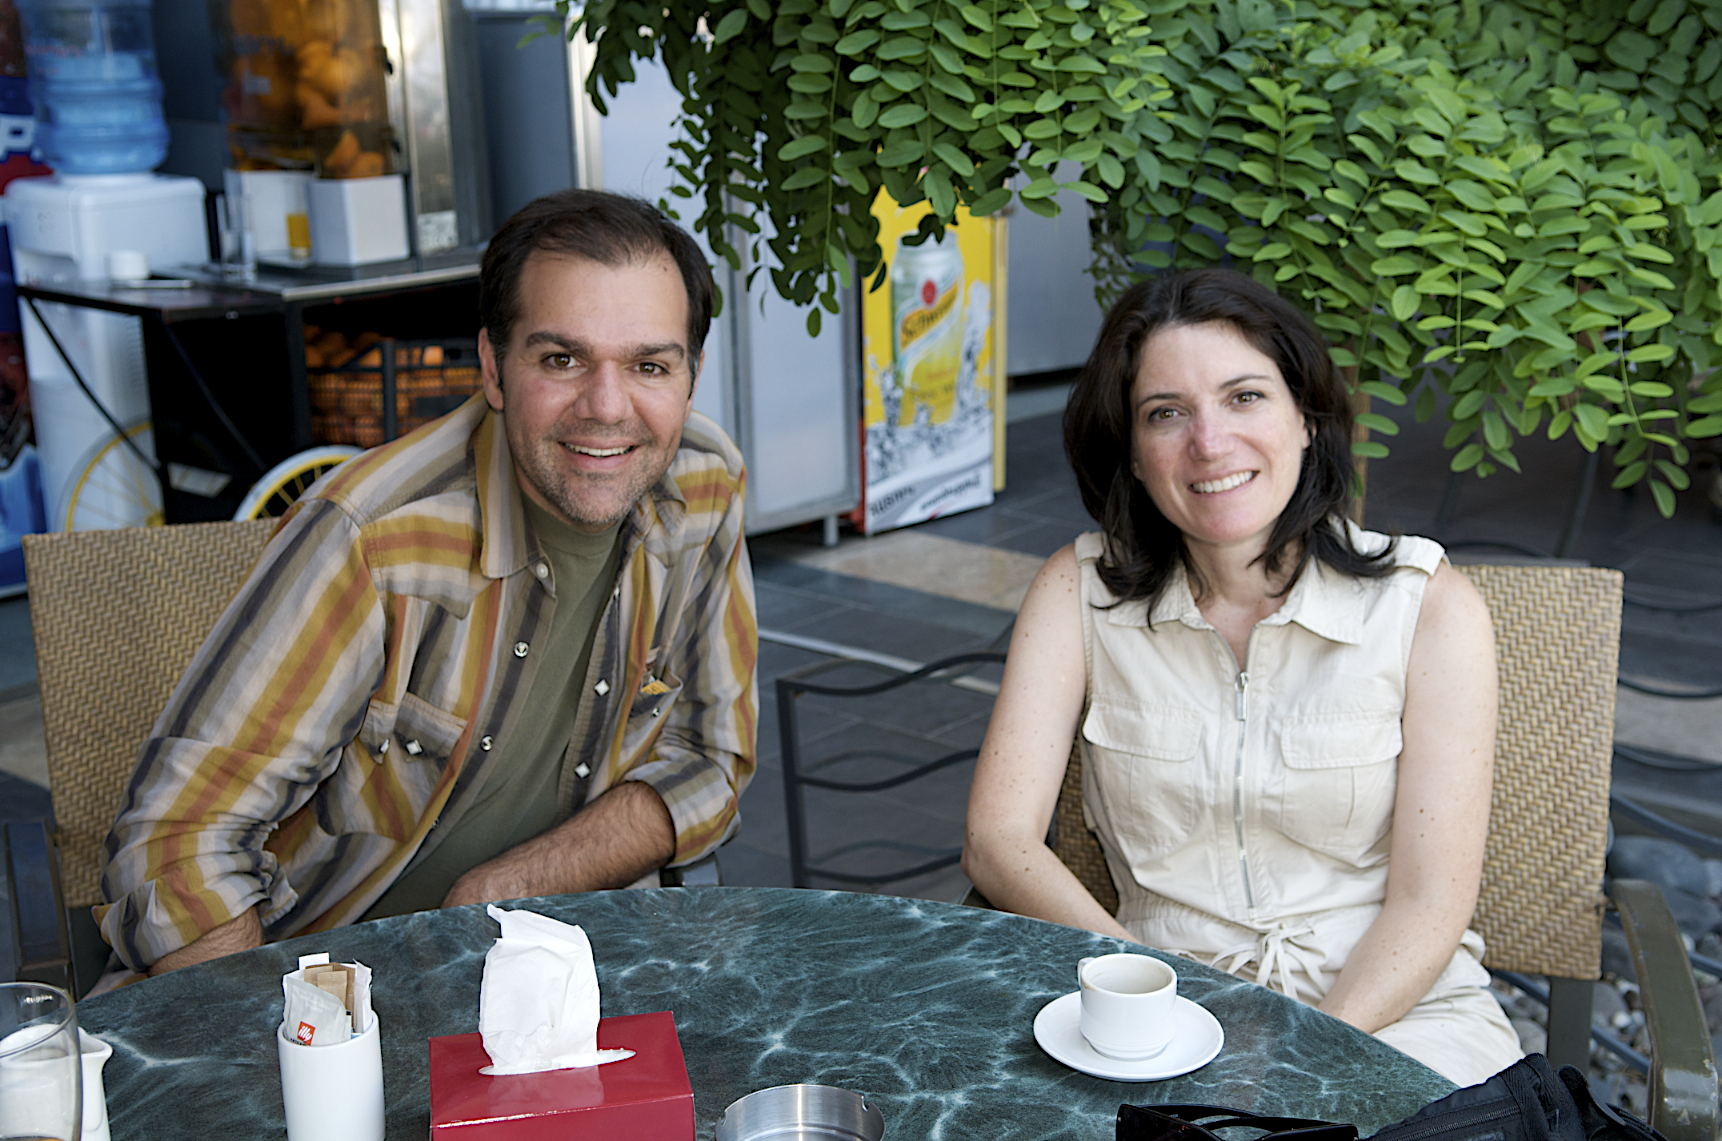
<point>1023,759</point>
<point>1440,811</point>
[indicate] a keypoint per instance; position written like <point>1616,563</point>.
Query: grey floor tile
<point>1043,540</point>
<point>922,640</point>
<point>23,800</point>
<point>921,708</point>
<point>986,528</point>
<point>783,608</point>
<point>745,865</point>
<point>17,647</point>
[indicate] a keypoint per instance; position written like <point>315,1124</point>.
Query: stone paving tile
<point>18,661</point>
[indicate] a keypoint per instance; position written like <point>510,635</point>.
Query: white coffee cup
<point>333,1093</point>
<point>1127,1005</point>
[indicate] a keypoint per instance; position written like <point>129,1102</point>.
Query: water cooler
<point>98,109</point>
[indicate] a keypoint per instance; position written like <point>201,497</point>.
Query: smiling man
<point>510,654</point>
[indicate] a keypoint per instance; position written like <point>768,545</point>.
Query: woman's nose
<point>1209,435</point>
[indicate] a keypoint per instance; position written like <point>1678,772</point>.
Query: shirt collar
<point>1322,601</point>
<point>507,545</point>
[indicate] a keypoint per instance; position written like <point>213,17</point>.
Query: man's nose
<point>603,395</point>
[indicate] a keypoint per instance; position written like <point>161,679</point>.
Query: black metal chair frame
<point>798,775</point>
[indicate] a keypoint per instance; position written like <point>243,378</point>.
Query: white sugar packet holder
<point>330,1044</point>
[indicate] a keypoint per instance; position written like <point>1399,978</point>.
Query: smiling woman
<point>1286,723</point>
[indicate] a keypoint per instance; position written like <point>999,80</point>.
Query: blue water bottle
<point>94,84</point>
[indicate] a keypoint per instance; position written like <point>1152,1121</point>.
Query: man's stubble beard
<point>537,461</point>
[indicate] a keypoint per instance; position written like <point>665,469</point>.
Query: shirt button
<point>541,570</point>
<point>582,770</point>
<point>601,688</point>
<point>520,649</point>
<point>383,749</point>
<point>484,743</point>
<point>415,748</point>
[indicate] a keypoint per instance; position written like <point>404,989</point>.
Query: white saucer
<point>1194,1044</point>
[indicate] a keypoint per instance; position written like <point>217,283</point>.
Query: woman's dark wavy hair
<point>1142,546</point>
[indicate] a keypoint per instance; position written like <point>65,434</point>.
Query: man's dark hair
<point>610,229</point>
<point>1142,545</point>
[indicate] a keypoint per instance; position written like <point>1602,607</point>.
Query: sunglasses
<point>1199,1122</point>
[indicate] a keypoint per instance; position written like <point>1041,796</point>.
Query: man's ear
<point>694,383</point>
<point>489,370</point>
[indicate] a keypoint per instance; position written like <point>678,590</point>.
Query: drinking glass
<point>41,1069</point>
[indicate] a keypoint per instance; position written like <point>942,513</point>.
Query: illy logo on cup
<point>304,1033</point>
<point>1127,1005</point>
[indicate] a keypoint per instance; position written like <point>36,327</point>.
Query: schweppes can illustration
<point>927,313</point>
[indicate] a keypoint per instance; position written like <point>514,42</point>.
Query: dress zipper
<point>1238,794</point>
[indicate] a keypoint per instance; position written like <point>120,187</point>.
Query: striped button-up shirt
<point>357,691</point>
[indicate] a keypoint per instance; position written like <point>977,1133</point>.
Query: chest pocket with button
<point>657,693</point>
<point>1142,758</point>
<point>1341,772</point>
<point>400,754</point>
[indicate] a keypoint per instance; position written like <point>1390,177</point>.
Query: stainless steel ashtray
<point>801,1113</point>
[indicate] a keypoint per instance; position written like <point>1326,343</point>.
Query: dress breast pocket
<point>385,778</point>
<point>1341,772</point>
<point>1143,763</point>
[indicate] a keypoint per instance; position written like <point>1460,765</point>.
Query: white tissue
<point>538,1006</point>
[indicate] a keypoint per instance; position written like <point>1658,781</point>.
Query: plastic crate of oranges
<point>346,379</point>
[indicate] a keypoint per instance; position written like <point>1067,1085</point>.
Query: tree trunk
<point>1359,433</point>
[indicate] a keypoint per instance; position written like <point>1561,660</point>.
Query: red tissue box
<point>645,1096</point>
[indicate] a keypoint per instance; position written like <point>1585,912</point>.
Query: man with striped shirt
<point>510,654</point>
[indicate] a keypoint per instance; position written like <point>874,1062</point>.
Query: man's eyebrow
<point>1245,378</point>
<point>573,346</point>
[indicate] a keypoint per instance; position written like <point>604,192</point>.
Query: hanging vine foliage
<point>1509,212</point>
<point>801,110</point>
<point>1523,195</point>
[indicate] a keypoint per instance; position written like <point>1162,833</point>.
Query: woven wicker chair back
<point>1557,641</point>
<point>117,616</point>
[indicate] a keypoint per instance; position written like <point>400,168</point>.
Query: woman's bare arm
<point>1023,759</point>
<point>1440,812</point>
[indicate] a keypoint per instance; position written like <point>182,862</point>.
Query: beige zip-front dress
<point>1246,814</point>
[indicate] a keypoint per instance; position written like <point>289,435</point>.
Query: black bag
<point>1527,1101</point>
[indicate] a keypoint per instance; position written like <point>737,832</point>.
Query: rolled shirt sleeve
<point>254,727</point>
<point>705,754</point>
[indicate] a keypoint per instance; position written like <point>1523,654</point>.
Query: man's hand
<point>241,933</point>
<point>611,842</point>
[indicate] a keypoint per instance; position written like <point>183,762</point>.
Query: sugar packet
<point>326,1003</point>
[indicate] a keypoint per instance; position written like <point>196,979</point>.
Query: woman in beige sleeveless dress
<point>1287,723</point>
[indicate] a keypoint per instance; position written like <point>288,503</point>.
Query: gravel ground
<point>1616,1002</point>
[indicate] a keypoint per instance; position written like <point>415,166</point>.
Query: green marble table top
<point>926,1008</point>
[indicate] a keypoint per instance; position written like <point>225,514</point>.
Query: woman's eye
<point>1161,415</point>
<point>1248,397</point>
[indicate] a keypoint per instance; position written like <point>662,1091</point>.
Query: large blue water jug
<point>94,85</point>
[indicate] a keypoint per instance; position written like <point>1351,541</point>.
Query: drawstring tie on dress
<point>1279,952</point>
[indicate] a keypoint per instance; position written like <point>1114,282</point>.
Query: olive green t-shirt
<point>518,800</point>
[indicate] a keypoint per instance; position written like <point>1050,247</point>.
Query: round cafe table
<point>926,1008</point>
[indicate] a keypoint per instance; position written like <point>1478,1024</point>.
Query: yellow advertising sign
<point>928,360</point>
